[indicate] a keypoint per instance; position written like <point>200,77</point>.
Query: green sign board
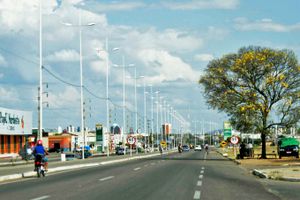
<point>99,137</point>
<point>227,130</point>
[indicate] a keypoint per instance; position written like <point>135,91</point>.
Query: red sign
<point>131,140</point>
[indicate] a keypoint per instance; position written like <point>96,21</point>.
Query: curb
<point>78,166</point>
<point>289,179</point>
<point>259,174</point>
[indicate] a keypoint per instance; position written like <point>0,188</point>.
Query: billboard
<point>15,122</point>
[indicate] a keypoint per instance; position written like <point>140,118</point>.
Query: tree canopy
<point>257,87</point>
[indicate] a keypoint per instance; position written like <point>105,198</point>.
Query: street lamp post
<point>107,91</point>
<point>123,66</point>
<point>81,78</point>
<point>157,127</point>
<point>151,92</point>
<point>40,106</point>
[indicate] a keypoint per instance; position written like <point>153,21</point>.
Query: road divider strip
<point>42,197</point>
<point>77,166</point>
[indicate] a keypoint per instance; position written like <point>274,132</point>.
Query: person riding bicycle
<point>206,148</point>
<point>39,152</point>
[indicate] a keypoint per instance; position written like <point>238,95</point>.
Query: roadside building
<point>15,126</point>
<point>62,142</point>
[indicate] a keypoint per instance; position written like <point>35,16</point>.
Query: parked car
<point>185,148</point>
<point>198,148</point>
<point>288,147</point>
<point>120,151</point>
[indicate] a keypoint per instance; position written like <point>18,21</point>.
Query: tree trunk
<point>263,146</point>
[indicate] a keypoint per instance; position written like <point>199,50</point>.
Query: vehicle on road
<point>120,151</point>
<point>288,147</point>
<point>185,148</point>
<point>198,148</point>
<point>39,166</point>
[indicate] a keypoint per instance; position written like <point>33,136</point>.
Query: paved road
<point>192,175</point>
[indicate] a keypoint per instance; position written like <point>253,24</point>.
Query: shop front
<point>15,126</point>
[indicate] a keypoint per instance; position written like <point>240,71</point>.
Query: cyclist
<point>206,148</point>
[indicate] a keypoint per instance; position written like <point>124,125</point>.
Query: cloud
<point>169,40</point>
<point>265,25</point>
<point>59,100</point>
<point>8,95</point>
<point>65,55</point>
<point>114,6</point>
<point>202,4</point>
<point>203,57</point>
<point>3,62</point>
<point>166,67</point>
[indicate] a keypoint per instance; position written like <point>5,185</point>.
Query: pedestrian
<point>250,147</point>
<point>242,150</point>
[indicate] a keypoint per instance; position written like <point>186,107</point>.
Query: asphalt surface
<point>190,175</point>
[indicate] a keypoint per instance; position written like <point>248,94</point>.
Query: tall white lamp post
<point>107,90</point>
<point>81,79</point>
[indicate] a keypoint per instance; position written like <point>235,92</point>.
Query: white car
<point>198,148</point>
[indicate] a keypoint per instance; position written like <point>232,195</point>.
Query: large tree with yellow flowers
<point>257,87</point>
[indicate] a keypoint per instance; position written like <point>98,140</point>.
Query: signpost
<point>131,140</point>
<point>234,140</point>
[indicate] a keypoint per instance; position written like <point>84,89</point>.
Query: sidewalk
<point>26,170</point>
<point>286,169</point>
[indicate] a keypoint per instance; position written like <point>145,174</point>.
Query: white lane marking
<point>199,183</point>
<point>42,197</point>
<point>106,178</point>
<point>146,165</point>
<point>202,171</point>
<point>202,168</point>
<point>201,176</point>
<point>197,194</point>
<point>153,163</point>
<point>138,168</point>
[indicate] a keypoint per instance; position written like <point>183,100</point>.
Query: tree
<point>257,87</point>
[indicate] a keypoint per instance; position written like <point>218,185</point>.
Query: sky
<point>169,42</point>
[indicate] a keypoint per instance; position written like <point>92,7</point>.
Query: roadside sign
<point>227,130</point>
<point>223,143</point>
<point>163,143</point>
<point>131,140</point>
<point>234,140</point>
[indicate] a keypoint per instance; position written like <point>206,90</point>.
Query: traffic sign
<point>234,140</point>
<point>163,143</point>
<point>131,140</point>
<point>223,143</point>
